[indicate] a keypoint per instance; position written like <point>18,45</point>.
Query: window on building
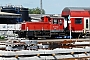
<point>55,21</point>
<point>78,20</point>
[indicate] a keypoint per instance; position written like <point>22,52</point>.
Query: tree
<point>36,11</point>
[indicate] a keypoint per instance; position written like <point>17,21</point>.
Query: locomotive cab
<point>57,26</point>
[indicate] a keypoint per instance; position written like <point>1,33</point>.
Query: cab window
<point>55,21</point>
<point>78,20</point>
<point>60,21</point>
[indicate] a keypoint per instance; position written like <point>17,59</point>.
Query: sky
<point>50,6</point>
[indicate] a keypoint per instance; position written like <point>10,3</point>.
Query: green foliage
<point>2,37</point>
<point>36,11</point>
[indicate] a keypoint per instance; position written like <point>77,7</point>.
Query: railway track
<point>62,43</point>
<point>52,40</point>
<point>59,40</point>
<point>60,49</point>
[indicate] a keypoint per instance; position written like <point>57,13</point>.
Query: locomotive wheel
<point>76,35</point>
<point>35,37</point>
<point>53,37</point>
<point>30,38</point>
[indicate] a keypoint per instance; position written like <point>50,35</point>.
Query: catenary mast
<point>41,7</point>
